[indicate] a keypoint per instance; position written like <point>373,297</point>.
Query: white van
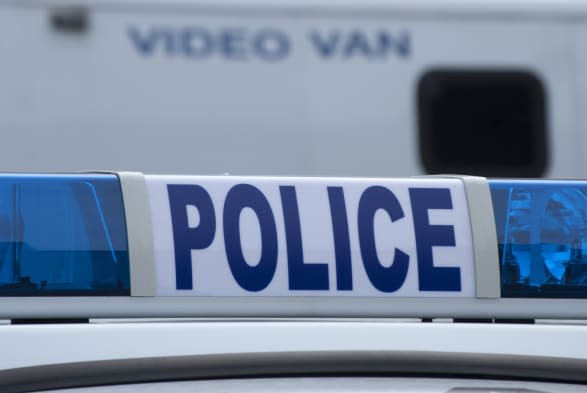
<point>327,87</point>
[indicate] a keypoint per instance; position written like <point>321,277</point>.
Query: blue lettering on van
<point>267,44</point>
<point>198,43</point>
<point>343,45</point>
<point>194,43</point>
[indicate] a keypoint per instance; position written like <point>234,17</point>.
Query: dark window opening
<point>486,123</point>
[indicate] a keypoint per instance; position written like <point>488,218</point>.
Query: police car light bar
<point>129,245</point>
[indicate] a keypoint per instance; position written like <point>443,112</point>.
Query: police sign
<point>230,236</point>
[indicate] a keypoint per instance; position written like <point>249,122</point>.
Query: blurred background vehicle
<point>376,88</point>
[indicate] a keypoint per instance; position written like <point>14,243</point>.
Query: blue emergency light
<point>62,235</point>
<point>542,231</point>
<point>127,244</point>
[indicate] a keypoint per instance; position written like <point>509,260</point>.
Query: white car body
<point>36,345</point>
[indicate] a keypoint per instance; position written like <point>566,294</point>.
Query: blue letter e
<point>433,278</point>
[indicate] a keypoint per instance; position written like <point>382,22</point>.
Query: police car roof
<point>40,357</point>
<point>60,343</point>
<point>83,246</point>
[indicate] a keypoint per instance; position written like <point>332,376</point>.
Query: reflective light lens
<point>542,235</point>
<point>62,235</point>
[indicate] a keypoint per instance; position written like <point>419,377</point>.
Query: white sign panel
<point>237,236</point>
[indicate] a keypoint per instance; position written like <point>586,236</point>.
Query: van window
<point>486,123</point>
